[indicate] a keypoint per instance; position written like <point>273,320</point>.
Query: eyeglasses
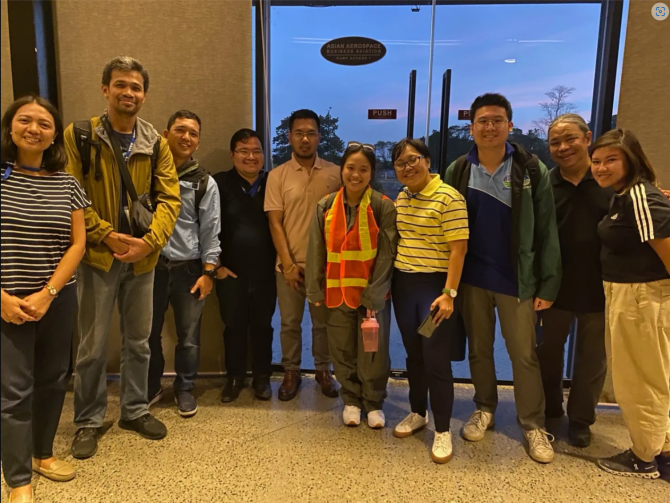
<point>401,166</point>
<point>311,135</point>
<point>497,123</point>
<point>363,146</point>
<point>246,153</point>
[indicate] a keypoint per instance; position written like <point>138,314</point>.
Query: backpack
<point>533,170</point>
<point>199,176</point>
<point>83,135</point>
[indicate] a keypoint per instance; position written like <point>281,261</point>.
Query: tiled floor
<point>275,452</point>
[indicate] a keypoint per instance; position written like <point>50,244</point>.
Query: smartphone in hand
<point>196,294</point>
<point>428,326</point>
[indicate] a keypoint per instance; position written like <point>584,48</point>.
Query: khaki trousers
<point>638,350</point>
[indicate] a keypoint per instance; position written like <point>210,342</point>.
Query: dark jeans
<point>35,363</point>
<point>172,285</point>
<point>247,308</point>
<point>590,366</point>
<point>428,359</point>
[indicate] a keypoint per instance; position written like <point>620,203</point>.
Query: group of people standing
<point>144,225</point>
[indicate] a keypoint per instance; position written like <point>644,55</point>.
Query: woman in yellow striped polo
<point>433,229</point>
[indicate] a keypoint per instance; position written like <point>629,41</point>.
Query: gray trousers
<point>590,366</point>
<point>98,291</point>
<point>517,323</point>
<point>292,310</point>
<point>363,376</point>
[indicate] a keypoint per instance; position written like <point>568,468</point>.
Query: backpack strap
<point>533,169</point>
<point>376,205</point>
<point>83,134</point>
<point>202,190</point>
<point>459,171</point>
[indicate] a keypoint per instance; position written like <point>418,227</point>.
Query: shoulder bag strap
<point>125,174</point>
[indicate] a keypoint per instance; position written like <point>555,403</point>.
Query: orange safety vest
<point>351,255</point>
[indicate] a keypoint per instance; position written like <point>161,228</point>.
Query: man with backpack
<point>116,157</point>
<point>186,267</point>
<point>513,265</point>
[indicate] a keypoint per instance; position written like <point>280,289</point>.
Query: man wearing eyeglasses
<point>513,265</point>
<point>246,277</point>
<point>293,191</point>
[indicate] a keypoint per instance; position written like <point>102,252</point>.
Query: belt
<point>171,264</point>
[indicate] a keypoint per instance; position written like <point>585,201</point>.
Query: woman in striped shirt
<point>43,241</point>
<point>433,227</point>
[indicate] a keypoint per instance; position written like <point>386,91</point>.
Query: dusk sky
<point>550,45</point>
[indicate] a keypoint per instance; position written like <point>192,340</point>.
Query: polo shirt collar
<point>559,177</point>
<point>428,190</point>
<point>296,165</point>
<point>473,155</point>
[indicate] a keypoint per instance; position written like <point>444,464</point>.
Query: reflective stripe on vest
<point>351,254</point>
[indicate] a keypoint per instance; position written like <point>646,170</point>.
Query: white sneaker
<point>410,425</point>
<point>442,448</point>
<point>539,445</point>
<point>351,415</point>
<point>376,419</point>
<point>475,429</point>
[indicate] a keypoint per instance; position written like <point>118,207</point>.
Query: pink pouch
<point>370,329</point>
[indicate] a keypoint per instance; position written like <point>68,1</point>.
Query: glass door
<point>343,95</point>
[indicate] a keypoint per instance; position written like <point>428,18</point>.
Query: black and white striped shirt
<point>36,219</point>
<point>634,219</point>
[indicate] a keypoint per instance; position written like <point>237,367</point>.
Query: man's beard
<point>302,156</point>
<point>121,110</point>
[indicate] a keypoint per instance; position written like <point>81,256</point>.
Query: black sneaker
<point>663,463</point>
<point>628,464</point>
<point>262,388</point>
<point>579,435</point>
<point>85,443</point>
<point>186,403</point>
<point>155,396</point>
<point>231,391</point>
<point>147,426</point>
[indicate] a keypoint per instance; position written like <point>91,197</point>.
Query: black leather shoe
<point>147,426</point>
<point>231,391</point>
<point>85,443</point>
<point>579,435</point>
<point>262,389</point>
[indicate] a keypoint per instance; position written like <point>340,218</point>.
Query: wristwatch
<point>450,292</point>
<point>211,273</point>
<point>52,291</point>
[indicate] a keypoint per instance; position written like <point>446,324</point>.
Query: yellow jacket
<point>104,191</point>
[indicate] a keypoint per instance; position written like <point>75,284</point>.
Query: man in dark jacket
<point>513,265</point>
<point>246,284</point>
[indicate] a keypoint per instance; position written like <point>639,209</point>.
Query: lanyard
<point>126,154</point>
<point>11,166</point>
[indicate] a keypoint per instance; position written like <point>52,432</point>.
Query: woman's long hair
<point>54,158</point>
<point>639,167</point>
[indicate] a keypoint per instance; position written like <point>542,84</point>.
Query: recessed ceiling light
<point>511,60</point>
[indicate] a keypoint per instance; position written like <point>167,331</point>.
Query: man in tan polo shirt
<point>292,192</point>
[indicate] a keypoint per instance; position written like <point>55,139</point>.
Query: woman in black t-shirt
<point>43,241</point>
<point>635,260</point>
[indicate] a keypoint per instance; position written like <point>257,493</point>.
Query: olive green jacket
<point>104,191</point>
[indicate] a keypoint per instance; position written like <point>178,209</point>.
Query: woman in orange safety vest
<point>352,246</point>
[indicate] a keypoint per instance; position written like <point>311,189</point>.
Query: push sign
<point>464,115</point>
<point>382,114</point>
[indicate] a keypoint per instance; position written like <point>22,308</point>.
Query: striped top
<point>35,222</point>
<point>427,222</point>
